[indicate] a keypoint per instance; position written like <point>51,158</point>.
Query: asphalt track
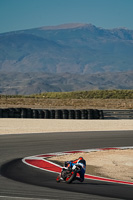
<point>19,181</point>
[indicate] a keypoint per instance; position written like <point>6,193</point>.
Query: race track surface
<point>19,180</point>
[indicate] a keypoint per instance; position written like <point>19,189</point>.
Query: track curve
<point>41,162</point>
<point>42,184</point>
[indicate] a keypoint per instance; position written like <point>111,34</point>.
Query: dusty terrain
<point>16,126</point>
<point>115,164</point>
<point>66,103</point>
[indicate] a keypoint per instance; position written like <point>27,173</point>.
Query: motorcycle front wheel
<point>58,178</point>
<point>71,177</point>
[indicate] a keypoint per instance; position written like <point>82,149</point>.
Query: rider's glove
<point>66,163</point>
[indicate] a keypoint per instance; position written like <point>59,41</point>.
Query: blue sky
<point>25,14</point>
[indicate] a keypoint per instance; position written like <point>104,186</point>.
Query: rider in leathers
<point>80,162</point>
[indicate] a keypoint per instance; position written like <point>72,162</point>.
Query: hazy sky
<point>25,14</point>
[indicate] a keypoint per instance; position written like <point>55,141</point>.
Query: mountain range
<point>65,58</point>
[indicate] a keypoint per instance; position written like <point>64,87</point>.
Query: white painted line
<point>21,198</point>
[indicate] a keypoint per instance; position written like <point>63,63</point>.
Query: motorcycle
<point>69,174</point>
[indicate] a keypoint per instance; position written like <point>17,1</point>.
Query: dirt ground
<point>115,164</point>
<point>66,103</point>
<point>19,125</point>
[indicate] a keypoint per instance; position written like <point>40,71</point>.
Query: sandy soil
<point>116,164</point>
<point>15,126</point>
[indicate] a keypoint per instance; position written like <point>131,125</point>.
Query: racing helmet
<point>80,158</point>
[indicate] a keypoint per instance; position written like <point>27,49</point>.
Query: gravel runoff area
<point>117,164</point>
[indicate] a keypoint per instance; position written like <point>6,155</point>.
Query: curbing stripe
<point>40,162</point>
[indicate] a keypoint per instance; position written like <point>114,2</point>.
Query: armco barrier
<point>51,114</point>
<point>118,114</point>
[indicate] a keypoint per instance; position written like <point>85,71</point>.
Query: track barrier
<point>65,114</point>
<point>51,114</point>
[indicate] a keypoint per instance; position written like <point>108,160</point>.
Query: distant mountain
<point>83,51</point>
<point>72,48</point>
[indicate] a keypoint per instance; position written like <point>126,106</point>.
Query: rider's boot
<point>79,179</point>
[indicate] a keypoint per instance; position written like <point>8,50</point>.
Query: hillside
<point>65,58</point>
<point>72,48</point>
<point>33,83</point>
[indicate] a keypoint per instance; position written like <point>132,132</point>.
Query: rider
<point>80,162</point>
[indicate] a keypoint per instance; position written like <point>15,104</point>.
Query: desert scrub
<point>94,94</point>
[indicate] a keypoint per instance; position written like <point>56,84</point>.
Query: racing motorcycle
<point>69,174</point>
